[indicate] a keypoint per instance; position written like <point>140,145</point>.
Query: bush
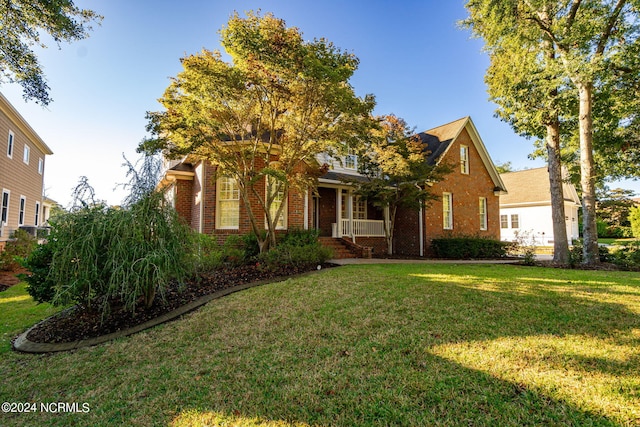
<point>39,285</point>
<point>634,218</point>
<point>576,256</point>
<point>627,256</point>
<point>298,248</point>
<point>16,250</point>
<point>99,253</point>
<point>468,247</point>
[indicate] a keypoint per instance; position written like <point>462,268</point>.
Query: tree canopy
<point>266,114</point>
<point>21,25</point>
<point>584,48</point>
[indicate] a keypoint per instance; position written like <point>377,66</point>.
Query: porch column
<point>339,211</point>
<point>350,214</point>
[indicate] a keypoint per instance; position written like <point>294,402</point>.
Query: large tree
<point>593,41</point>
<point>265,115</point>
<point>397,174</point>
<point>21,24</point>
<point>523,80</point>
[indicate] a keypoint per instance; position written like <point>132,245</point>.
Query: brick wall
<point>466,191</point>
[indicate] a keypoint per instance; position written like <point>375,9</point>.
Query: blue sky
<point>413,57</point>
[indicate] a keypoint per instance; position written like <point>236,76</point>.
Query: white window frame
<point>447,211</point>
<point>351,160</point>
<point>40,165</point>
<point>504,221</point>
<point>275,205</point>
<point>26,154</point>
<point>4,209</point>
<point>482,212</point>
<point>464,159</point>
<point>516,222</point>
<point>11,140</point>
<point>231,200</point>
<point>22,210</point>
<point>359,206</point>
<point>36,218</point>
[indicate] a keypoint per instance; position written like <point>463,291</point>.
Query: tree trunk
<point>587,176</point>
<point>560,241</point>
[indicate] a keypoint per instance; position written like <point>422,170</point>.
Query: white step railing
<point>362,228</point>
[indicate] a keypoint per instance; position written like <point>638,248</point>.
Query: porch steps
<point>340,250</point>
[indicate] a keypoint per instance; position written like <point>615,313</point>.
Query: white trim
<point>22,210</point>
<point>40,165</point>
<point>447,215</point>
<point>36,217</point>
<point>11,144</point>
<point>8,193</point>
<point>482,213</point>
<point>26,154</point>
<point>218,209</point>
<point>464,160</point>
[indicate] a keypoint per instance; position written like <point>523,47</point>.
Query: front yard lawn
<point>404,344</point>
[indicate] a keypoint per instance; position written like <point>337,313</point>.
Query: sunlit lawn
<point>364,345</point>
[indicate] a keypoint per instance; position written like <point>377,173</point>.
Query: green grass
<point>18,312</point>
<point>365,345</point>
<point>615,241</point>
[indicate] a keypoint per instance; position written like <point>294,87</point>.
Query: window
<point>278,198</point>
<point>351,160</point>
<point>4,214</point>
<point>10,145</point>
<point>515,221</point>
<point>504,221</point>
<point>23,202</point>
<point>228,204</point>
<point>36,219</point>
<point>359,207</point>
<point>482,211</point>
<point>447,211</point>
<point>27,152</point>
<point>464,159</point>
<point>40,166</point>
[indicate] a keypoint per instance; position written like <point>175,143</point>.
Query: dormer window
<point>351,160</point>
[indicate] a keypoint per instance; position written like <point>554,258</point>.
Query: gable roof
<point>531,187</point>
<point>19,121</point>
<point>438,141</point>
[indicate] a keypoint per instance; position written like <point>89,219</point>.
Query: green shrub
<point>634,218</point>
<point>39,285</point>
<point>208,255</point>
<point>576,255</point>
<point>627,256</point>
<point>100,253</point>
<point>19,246</point>
<point>298,248</point>
<point>468,247</point>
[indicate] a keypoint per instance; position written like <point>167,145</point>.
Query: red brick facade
<point>466,190</point>
<point>199,207</point>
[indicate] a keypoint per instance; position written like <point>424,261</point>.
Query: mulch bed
<point>80,323</point>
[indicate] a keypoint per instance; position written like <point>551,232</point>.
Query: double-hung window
<point>23,205</point>
<point>4,212</point>
<point>351,160</point>
<point>515,221</point>
<point>228,204</point>
<point>482,212</point>
<point>10,140</point>
<point>504,221</point>
<point>26,154</point>
<point>447,211</point>
<point>464,159</point>
<point>36,219</point>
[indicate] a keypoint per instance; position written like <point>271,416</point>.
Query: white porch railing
<point>362,228</point>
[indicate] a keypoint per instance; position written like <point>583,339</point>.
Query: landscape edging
<point>23,344</point>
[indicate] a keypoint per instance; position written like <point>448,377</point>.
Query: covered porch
<point>337,212</point>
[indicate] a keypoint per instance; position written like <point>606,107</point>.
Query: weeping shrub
<point>100,253</point>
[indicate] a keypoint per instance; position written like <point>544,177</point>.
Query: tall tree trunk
<point>587,176</point>
<point>560,241</point>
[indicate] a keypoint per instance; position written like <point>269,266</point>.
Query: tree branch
<point>610,24</point>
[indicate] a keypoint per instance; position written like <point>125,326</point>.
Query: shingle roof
<point>438,139</point>
<point>531,186</point>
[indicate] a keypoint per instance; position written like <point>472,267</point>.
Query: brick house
<point>469,203</point>
<point>22,160</point>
